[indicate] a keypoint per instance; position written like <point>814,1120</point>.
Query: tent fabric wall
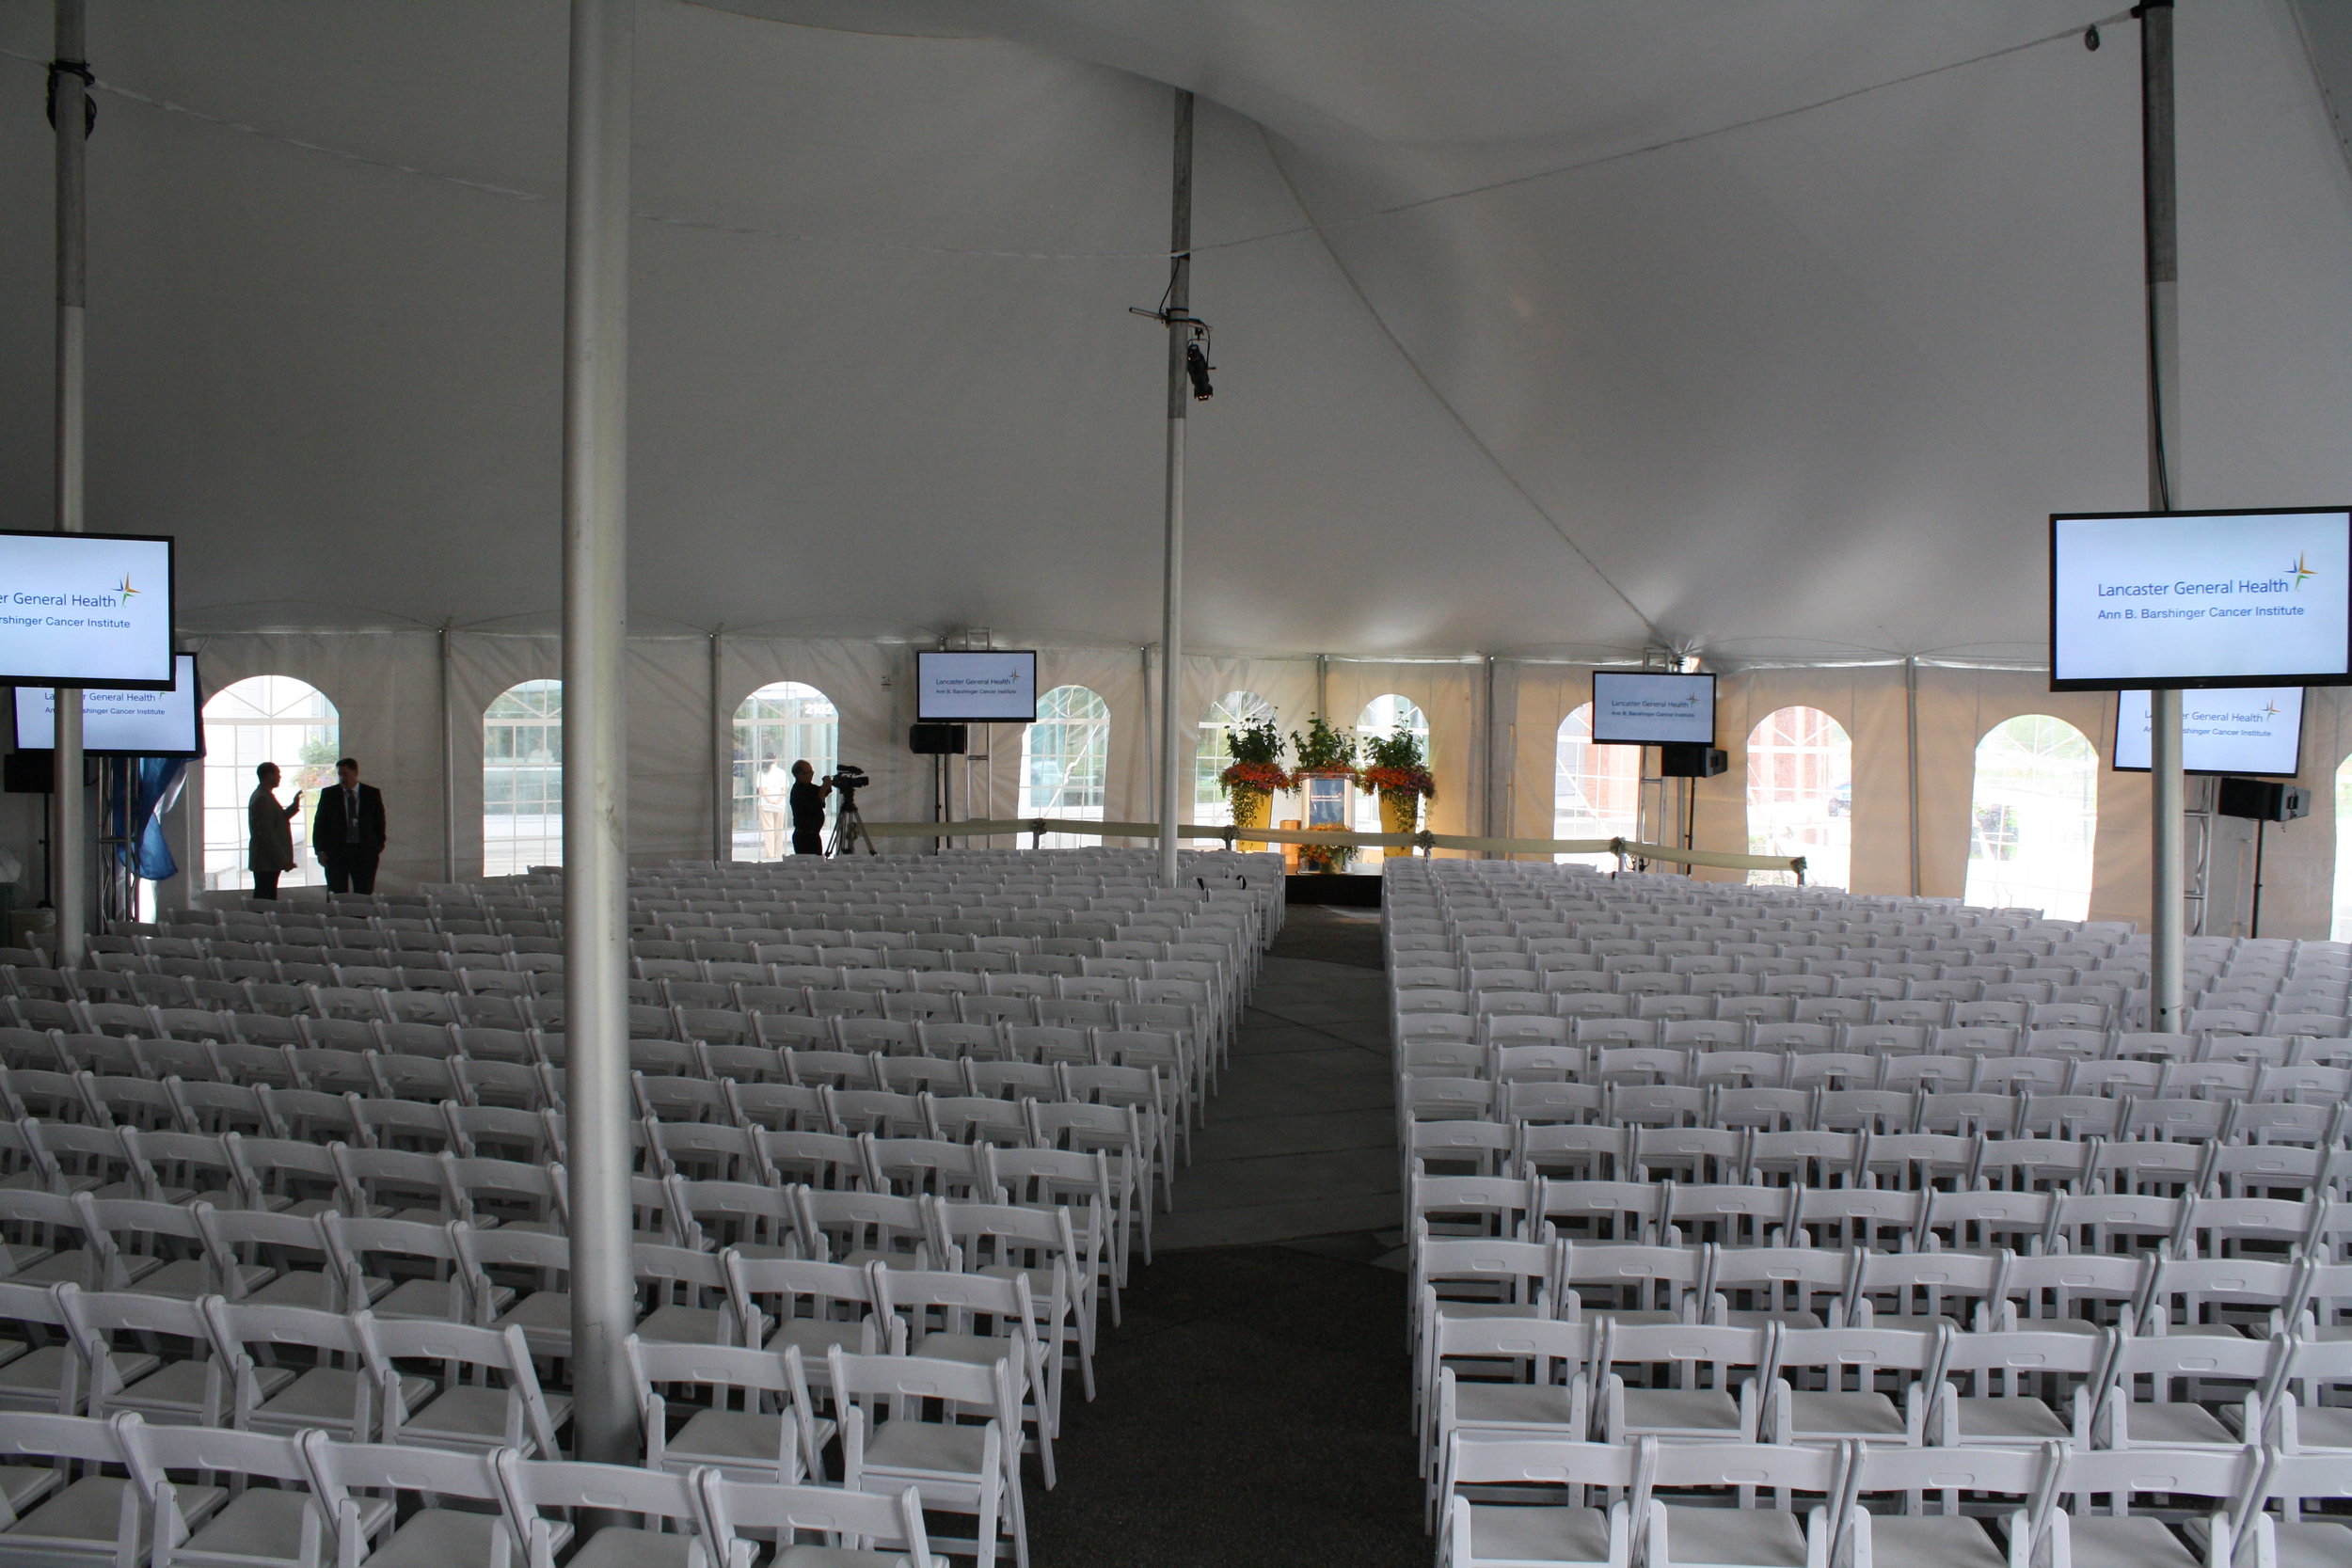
<point>385,687</point>
<point>1449,693</point>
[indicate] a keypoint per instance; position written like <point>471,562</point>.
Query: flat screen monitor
<point>2202,599</point>
<point>1631,709</point>
<point>2245,731</point>
<point>980,686</point>
<point>86,609</point>
<point>119,721</point>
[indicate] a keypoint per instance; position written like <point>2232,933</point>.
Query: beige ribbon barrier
<point>1624,848</point>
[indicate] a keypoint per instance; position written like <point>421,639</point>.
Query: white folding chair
<point>964,1462</point>
<point>1511,1531</point>
<point>860,1528</point>
<point>669,1535</point>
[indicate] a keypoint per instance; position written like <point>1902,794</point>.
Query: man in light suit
<point>348,831</point>
<point>269,832</point>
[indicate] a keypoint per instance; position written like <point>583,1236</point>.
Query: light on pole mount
<point>1198,342</point>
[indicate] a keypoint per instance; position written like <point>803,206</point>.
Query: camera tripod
<point>849,827</point>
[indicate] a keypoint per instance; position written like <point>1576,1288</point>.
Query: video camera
<point>846,778</point>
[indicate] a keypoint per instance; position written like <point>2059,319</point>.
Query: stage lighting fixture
<point>1197,367</point>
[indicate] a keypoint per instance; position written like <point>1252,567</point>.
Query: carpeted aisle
<point>1255,1405</point>
<point>1254,1410</point>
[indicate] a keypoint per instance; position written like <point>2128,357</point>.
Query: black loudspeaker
<point>35,772</point>
<point>2264,800</point>
<point>936,740</point>
<point>1690,760</point>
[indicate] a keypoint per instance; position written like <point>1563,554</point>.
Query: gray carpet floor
<point>1255,1407</point>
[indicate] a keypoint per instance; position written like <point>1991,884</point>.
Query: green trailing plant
<point>1396,766</point>
<point>1257,753</point>
<point>1325,749</point>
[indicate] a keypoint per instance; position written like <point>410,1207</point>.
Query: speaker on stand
<point>2260,802</point>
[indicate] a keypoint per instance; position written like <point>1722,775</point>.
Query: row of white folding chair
<point>1867,1058</point>
<point>1668,1214</point>
<point>206,1496</point>
<point>744,1127</point>
<point>1512,1498</point>
<point>1949,1160</point>
<point>1802,1286</point>
<point>2024,1114</point>
<point>2109,1392</point>
<point>413,1270</point>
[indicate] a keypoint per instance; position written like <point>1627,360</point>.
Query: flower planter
<point>1400,812</point>
<point>1252,808</point>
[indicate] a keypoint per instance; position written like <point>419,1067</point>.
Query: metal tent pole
<point>722,757</point>
<point>1178,309</point>
<point>69,807</point>
<point>448,758</point>
<point>2167,942</point>
<point>1910,741</point>
<point>596,847</point>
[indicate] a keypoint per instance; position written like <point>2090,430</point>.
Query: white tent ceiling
<point>1775,326</point>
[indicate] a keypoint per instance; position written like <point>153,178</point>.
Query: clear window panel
<point>522,779</point>
<point>1596,790</point>
<point>779,724</point>
<point>1384,718</point>
<point>2033,818</point>
<point>265,718</point>
<point>1801,795</point>
<point>1065,761</point>
<point>1214,754</point>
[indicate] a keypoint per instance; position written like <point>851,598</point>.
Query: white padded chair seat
<point>814,1337</point>
<point>2019,1418</point>
<point>1680,1410</point>
<point>174,1393</point>
<point>2178,1425</point>
<point>79,1522</point>
<point>443,1538</point>
<point>2319,1546</point>
<point>742,1443</point>
<point>1539,1534</point>
<point>31,1381</point>
<point>2318,1426</point>
<point>262,1524</point>
<point>434,1300</point>
<point>1512,1404</point>
<point>323,1397</point>
<point>1855,1415</point>
<point>1935,1540</point>
<point>623,1547</point>
<point>2135,1542</point>
<point>833,1556</point>
<point>187,1278</point>
<point>926,1448</point>
<point>23,1485</point>
<point>473,1417</point>
<point>311,1289</point>
<point>1731,1538</point>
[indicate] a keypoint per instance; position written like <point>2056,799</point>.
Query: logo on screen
<point>127,590</point>
<point>2301,569</point>
<point>2271,709</point>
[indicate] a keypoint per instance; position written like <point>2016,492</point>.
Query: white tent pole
<point>449,758</point>
<point>722,757</point>
<point>1178,308</point>
<point>1911,753</point>
<point>596,847</point>
<point>69,807</point>
<point>2166,890</point>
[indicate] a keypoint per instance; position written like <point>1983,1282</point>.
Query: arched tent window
<point>1214,755</point>
<point>2340,929</point>
<point>1065,760</point>
<point>522,779</point>
<point>1801,794</point>
<point>1596,790</point>
<point>265,718</point>
<point>781,723</point>
<point>2033,815</point>
<point>1382,718</point>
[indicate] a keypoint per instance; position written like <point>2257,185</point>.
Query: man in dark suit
<point>348,831</point>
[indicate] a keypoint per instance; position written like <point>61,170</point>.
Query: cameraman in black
<point>809,809</point>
